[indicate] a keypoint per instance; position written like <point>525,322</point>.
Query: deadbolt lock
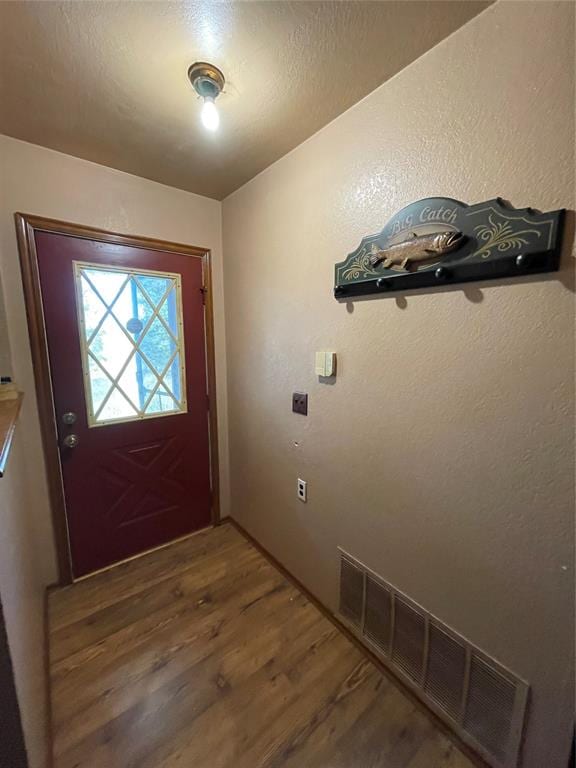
<point>69,417</point>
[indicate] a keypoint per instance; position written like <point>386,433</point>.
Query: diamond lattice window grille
<point>131,337</point>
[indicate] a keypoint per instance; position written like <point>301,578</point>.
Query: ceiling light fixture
<point>208,82</point>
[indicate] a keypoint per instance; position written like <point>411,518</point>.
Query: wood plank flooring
<point>202,655</point>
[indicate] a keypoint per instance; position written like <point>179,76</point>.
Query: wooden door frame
<point>26,227</point>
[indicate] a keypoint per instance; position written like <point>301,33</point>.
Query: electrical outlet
<point>300,403</point>
<point>302,489</point>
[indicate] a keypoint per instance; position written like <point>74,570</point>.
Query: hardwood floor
<point>202,655</point>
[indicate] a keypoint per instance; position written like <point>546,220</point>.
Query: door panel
<point>126,344</point>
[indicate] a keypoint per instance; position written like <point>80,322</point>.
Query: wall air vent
<point>490,708</point>
<point>446,671</point>
<point>378,618</point>
<point>409,639</point>
<point>484,702</point>
<point>351,591</point>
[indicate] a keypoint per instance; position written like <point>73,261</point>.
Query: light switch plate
<point>325,364</point>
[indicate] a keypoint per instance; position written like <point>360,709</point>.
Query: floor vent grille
<point>484,702</point>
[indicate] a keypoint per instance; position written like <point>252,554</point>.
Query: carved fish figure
<point>417,248</point>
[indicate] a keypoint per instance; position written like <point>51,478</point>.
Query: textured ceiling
<point>106,81</point>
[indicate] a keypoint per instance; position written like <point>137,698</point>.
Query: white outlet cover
<point>302,493</point>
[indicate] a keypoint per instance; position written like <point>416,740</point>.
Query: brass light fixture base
<point>207,80</point>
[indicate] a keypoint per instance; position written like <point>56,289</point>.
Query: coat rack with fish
<point>442,241</point>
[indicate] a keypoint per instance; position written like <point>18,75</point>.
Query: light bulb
<point>210,116</point>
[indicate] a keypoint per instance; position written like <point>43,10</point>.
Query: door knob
<point>70,441</point>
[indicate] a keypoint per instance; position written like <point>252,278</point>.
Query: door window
<point>131,336</point>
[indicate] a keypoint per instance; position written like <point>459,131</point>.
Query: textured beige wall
<point>443,454</point>
<point>40,181</point>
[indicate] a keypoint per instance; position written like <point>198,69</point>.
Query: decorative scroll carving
<point>489,240</point>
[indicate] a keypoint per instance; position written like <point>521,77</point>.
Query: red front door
<point>126,344</point>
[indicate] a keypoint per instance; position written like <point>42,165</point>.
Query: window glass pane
<point>117,407</point>
<point>106,284</point>
<point>142,310</point>
<point>100,383</point>
<point>168,313</point>
<point>161,401</point>
<point>155,287</point>
<point>132,345</point>
<point>129,384</point>
<point>94,307</point>
<point>172,378</point>
<point>148,380</point>
<point>158,346</point>
<point>110,346</point>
